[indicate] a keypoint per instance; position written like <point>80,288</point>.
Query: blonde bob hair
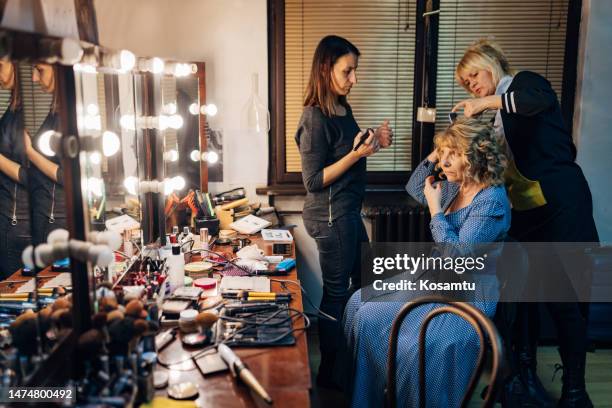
<point>484,54</point>
<point>479,146</point>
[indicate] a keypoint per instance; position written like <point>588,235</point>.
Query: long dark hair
<point>319,91</point>
<point>16,91</point>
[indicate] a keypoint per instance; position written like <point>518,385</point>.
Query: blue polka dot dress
<point>452,344</point>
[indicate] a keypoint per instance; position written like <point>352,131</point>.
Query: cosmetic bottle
<point>176,267</point>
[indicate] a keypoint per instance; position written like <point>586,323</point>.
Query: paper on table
<point>251,283</point>
<point>26,287</point>
<point>63,279</point>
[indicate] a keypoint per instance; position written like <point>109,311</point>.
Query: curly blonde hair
<point>484,54</point>
<point>479,146</point>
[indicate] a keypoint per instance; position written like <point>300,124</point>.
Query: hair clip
<point>452,117</point>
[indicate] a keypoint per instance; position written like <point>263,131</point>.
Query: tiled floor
<point>599,376</point>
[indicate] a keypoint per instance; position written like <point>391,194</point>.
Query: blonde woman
<point>550,196</point>
<point>469,206</point>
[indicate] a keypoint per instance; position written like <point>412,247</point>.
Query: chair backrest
<point>481,324</point>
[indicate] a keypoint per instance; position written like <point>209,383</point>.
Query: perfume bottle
<point>255,115</point>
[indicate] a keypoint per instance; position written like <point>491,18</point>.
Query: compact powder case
<point>181,391</point>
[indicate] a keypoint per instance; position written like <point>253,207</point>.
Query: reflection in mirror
<point>109,162</point>
<point>182,153</point>
<point>35,313</point>
<point>14,211</point>
<point>45,182</point>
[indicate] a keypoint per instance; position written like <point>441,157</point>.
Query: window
<point>384,33</point>
<point>408,60</point>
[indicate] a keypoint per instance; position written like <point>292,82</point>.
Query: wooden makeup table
<point>283,371</point>
<point>16,280</point>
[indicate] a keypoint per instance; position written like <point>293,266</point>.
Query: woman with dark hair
<point>45,174</point>
<point>551,201</point>
<point>14,217</point>
<point>334,174</point>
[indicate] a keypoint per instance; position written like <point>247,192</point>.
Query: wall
<point>593,116</point>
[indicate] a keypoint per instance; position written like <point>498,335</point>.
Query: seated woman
<point>469,207</point>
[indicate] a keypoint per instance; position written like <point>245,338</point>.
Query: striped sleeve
<point>508,103</point>
<point>529,95</point>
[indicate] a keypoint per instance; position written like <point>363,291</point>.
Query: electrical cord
<point>321,313</point>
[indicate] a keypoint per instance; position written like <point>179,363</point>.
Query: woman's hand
<point>433,156</point>
<point>433,195</point>
<point>384,134</point>
<point>367,148</point>
<point>475,106</point>
<point>28,142</point>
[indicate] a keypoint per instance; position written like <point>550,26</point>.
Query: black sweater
<point>540,142</point>
<point>323,141</point>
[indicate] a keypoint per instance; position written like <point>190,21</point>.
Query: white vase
<point>255,115</point>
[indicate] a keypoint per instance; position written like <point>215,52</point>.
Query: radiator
<point>399,224</point>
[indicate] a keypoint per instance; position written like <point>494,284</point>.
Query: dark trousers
<point>339,246</point>
<point>571,223</point>
<point>41,227</point>
<point>13,240</point>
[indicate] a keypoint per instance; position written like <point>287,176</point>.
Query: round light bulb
<point>71,51</point>
<point>127,122</point>
<point>181,70</point>
<point>127,60</point>
<point>131,185</point>
<point>157,65</point>
<point>171,155</point>
<point>177,70</point>
<point>44,143</point>
<point>212,157</point>
<point>175,121</point>
<point>110,143</point>
<point>194,108</point>
<point>195,155</point>
<point>92,109</point>
<point>163,122</point>
<point>210,109</point>
<point>95,186</point>
<point>170,108</point>
<point>178,183</point>
<point>95,158</point>
<point>168,186</point>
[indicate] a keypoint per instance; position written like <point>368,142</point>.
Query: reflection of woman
<point>45,175</point>
<point>471,206</point>
<point>334,176</point>
<point>14,217</point>
<point>550,196</point>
